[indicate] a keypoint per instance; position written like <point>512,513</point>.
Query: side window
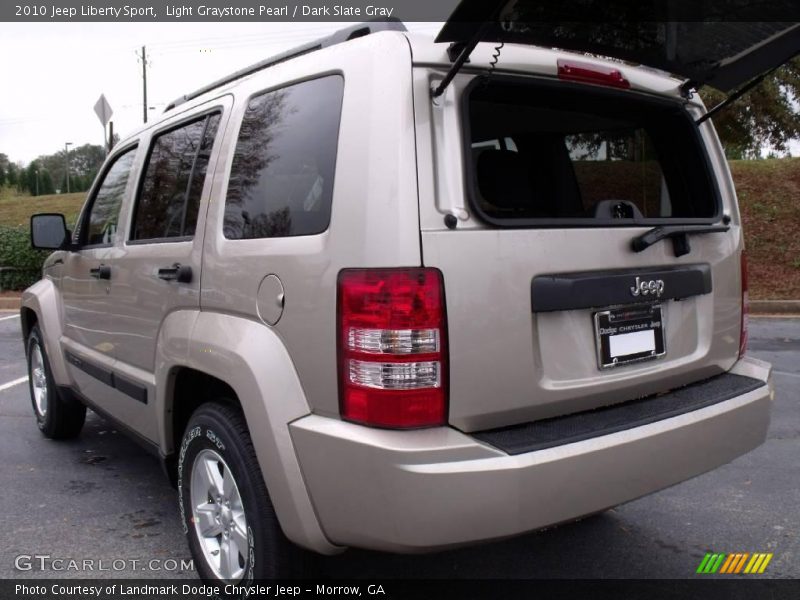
<point>281,181</point>
<point>104,214</point>
<point>169,197</point>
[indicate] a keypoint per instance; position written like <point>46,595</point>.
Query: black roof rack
<point>338,37</point>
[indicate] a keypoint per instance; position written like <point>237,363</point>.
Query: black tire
<point>62,417</point>
<point>221,428</point>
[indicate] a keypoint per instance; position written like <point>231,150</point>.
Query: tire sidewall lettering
<point>187,439</point>
<point>214,438</point>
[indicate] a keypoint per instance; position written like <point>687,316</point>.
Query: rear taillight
<point>745,308</point>
<point>575,70</point>
<point>392,347</point>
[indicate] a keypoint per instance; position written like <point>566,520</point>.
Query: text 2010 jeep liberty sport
<point>370,294</point>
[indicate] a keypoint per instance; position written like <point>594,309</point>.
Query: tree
<point>31,179</point>
<point>46,183</point>
<point>77,183</point>
<point>84,163</point>
<point>3,168</point>
<point>11,174</point>
<point>86,159</point>
<point>765,116</point>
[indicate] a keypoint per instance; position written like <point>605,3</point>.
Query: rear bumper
<point>423,490</point>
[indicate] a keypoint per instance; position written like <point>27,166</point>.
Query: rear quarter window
<point>281,181</point>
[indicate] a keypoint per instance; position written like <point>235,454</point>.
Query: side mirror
<point>49,231</point>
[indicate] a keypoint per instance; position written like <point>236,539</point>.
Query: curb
<point>10,302</point>
<point>775,307</point>
<point>757,307</point>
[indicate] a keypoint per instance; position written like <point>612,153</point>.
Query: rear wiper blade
<point>677,233</point>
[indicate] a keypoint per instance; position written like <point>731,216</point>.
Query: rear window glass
<point>578,156</point>
<point>281,181</point>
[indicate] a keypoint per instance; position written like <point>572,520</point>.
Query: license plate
<point>629,334</point>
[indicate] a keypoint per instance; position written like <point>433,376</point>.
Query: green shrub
<point>20,265</point>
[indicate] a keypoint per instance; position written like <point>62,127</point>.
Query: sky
<point>52,74</point>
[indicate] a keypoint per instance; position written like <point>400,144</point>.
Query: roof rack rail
<point>338,37</point>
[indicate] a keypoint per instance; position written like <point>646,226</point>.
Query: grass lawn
<point>769,199</point>
<point>17,210</point>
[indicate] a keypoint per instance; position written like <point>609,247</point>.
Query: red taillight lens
<point>745,308</point>
<point>392,347</point>
<point>574,70</point>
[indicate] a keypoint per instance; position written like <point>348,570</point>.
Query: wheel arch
<point>189,389</point>
<point>28,319</point>
<point>41,305</point>
<point>207,355</point>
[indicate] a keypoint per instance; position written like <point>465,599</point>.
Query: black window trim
<point>188,120</point>
<point>269,90</point>
<point>283,86</point>
<point>576,223</point>
<point>161,240</point>
<point>86,211</point>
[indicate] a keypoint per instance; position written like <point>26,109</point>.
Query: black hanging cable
<point>493,62</point>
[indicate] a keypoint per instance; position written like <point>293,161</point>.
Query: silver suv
<point>370,293</point>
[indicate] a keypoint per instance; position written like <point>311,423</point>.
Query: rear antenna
<point>493,62</point>
<point>506,27</point>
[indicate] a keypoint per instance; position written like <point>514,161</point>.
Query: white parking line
<point>11,384</point>
<point>11,317</point>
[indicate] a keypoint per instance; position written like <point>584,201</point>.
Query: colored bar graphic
<point>741,562</point>
<point>731,563</point>
<point>710,563</point>
<point>765,563</point>
<point>726,566</point>
<point>754,563</point>
<point>703,564</point>
<point>718,562</point>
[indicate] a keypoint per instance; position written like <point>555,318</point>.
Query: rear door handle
<point>177,272</point>
<point>101,272</point>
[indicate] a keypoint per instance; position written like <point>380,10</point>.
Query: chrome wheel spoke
<point>213,479</point>
<point>220,522</point>
<point>229,486</point>
<point>239,535</point>
<point>207,520</point>
<point>38,379</point>
<point>229,560</point>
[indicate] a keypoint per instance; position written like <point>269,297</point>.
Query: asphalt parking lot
<point>102,497</point>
